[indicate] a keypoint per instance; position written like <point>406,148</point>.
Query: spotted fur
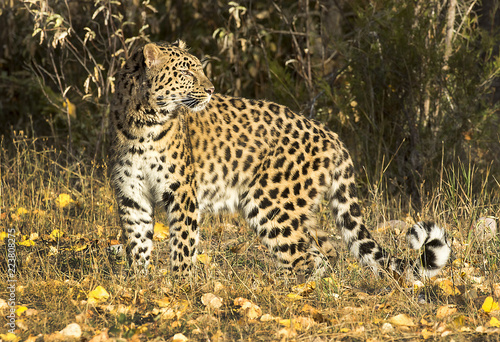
<point>179,145</point>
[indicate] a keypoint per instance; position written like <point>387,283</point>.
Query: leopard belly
<point>218,199</point>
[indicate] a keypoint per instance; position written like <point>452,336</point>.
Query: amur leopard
<point>178,144</point>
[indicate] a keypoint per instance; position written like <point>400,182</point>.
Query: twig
<point>450,24</point>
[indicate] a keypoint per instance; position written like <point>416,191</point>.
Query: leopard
<point>178,144</point>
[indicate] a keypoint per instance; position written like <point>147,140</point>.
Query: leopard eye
<point>187,73</point>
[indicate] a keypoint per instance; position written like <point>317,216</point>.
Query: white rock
<point>387,328</point>
<point>72,330</point>
<point>179,338</point>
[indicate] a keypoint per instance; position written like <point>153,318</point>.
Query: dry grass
<point>56,274</point>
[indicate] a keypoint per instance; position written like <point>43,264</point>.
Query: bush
<point>405,84</point>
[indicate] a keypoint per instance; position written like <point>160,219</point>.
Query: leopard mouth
<point>196,104</point>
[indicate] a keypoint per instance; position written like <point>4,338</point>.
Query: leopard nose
<point>210,91</point>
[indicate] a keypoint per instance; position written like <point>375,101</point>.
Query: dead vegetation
<point>72,281</point>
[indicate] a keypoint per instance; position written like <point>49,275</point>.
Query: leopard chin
<point>196,105</point>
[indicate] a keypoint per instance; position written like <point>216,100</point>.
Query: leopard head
<point>175,78</point>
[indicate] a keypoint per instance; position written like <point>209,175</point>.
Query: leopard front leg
<point>135,209</point>
<point>182,209</point>
<point>136,216</point>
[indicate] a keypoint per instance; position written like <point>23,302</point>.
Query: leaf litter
<point>230,293</point>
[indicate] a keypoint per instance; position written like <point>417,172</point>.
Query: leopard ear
<point>151,54</point>
<point>180,44</point>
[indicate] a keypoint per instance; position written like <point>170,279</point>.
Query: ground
<point>70,279</point>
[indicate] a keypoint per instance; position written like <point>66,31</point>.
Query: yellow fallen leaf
<point>252,312</point>
<point>9,337</point>
<point>142,329</point>
<point>294,296</point>
<point>71,108</point>
<point>169,313</point>
<point>330,280</point>
<point>56,234</point>
<point>426,334</point>
<point>174,310</point>
<point>78,248</point>
<point>27,243</point>
<point>490,305</point>
<point>204,259</point>
<point>161,231</point>
<point>248,309</point>
<point>401,320</point>
<point>3,235</point>
<point>218,286</point>
<point>211,301</point>
<point>309,309</point>
<point>163,303</point>
<point>63,200</point>
<point>285,322</point>
<point>291,323</point>
<point>345,330</point>
<point>445,311</point>
<point>21,211</point>
<point>494,322</point>
<point>302,289</point>
<point>99,294</point>
<point>448,287</point>
<point>20,310</point>
<point>305,288</point>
